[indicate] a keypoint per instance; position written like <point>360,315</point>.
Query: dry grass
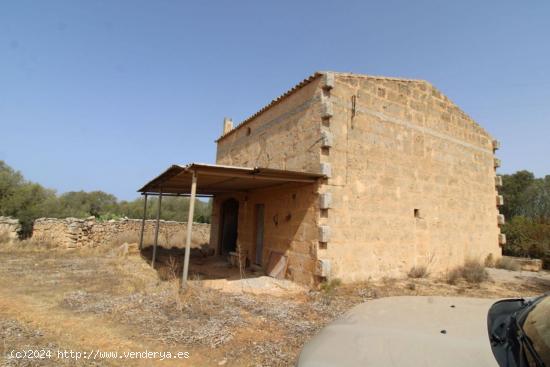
<point>328,289</point>
<point>490,261</point>
<point>472,272</point>
<point>4,237</point>
<point>127,298</point>
<point>330,286</point>
<point>129,237</point>
<point>166,239</point>
<point>453,276</point>
<point>418,271</point>
<point>28,244</point>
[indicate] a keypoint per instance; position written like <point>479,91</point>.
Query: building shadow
<point>203,265</point>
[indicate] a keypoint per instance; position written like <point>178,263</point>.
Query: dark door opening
<point>229,223</point>
<point>259,234</point>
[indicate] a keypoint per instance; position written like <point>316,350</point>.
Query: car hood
<point>405,331</point>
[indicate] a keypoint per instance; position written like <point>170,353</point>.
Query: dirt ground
<point>97,302</point>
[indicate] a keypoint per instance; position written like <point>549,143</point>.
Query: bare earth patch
<point>85,300</point>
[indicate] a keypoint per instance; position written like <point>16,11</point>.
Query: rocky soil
<point>85,300</point>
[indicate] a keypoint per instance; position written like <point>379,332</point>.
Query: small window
<point>417,213</point>
<point>248,131</point>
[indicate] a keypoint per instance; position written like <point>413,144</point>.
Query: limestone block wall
<point>9,229</point>
<point>75,233</point>
<point>411,177</point>
<point>412,181</point>
<point>285,136</point>
<point>290,226</point>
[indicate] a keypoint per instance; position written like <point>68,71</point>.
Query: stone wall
<point>283,136</point>
<point>9,229</point>
<point>290,226</point>
<point>525,264</point>
<point>74,233</point>
<point>412,181</point>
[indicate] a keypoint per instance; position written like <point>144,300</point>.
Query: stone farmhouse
<point>352,177</point>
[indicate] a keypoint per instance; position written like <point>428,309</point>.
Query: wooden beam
<point>179,191</point>
<point>156,232</point>
<point>252,176</point>
<point>175,194</point>
<point>249,176</point>
<point>222,181</point>
<point>143,223</point>
<point>189,230</point>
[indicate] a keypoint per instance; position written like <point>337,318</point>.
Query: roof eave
<point>274,102</point>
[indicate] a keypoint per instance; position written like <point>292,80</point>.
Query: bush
<point>453,276</point>
<point>490,261</point>
<point>526,237</point>
<point>527,210</point>
<point>507,264</point>
<point>418,271</point>
<point>331,285</point>
<point>472,272</point>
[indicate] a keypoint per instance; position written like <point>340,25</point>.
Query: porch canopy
<point>218,179</point>
<point>214,179</point>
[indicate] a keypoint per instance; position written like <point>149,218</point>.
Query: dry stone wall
<point>9,229</point>
<point>76,233</point>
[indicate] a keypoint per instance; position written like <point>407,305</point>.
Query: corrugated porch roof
<point>218,179</point>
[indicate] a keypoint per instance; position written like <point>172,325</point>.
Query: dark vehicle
<point>519,330</point>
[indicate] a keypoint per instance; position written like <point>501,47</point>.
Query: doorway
<point>259,234</point>
<point>229,224</point>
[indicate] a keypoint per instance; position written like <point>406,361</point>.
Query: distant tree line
<point>27,201</point>
<point>527,211</point>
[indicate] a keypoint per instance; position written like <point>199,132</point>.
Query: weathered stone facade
<point>290,226</point>
<point>410,179</point>
<point>413,180</point>
<point>9,229</point>
<point>285,136</point>
<point>76,233</point>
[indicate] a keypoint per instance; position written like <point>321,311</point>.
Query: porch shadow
<point>202,265</point>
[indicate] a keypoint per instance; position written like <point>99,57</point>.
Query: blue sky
<point>103,95</point>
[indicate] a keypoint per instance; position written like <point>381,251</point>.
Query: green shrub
<point>331,285</point>
<point>526,237</point>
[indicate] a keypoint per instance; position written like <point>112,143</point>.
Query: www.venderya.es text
<point>94,354</point>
